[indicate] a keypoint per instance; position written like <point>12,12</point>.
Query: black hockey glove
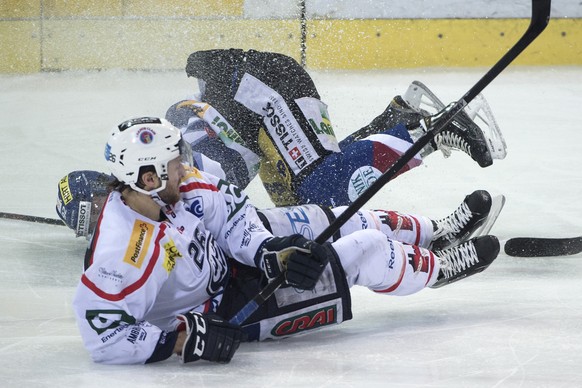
<point>209,337</point>
<point>302,260</point>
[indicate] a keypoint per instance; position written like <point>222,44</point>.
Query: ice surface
<point>518,324</point>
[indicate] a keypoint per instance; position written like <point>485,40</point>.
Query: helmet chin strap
<point>151,193</point>
<point>154,195</point>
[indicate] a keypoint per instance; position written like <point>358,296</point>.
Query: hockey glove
<point>302,260</point>
<point>209,337</point>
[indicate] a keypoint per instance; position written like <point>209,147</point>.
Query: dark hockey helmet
<point>79,199</point>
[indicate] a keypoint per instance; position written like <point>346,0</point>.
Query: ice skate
<point>482,143</point>
<point>397,112</point>
<point>464,135</point>
<point>467,259</point>
<point>460,224</point>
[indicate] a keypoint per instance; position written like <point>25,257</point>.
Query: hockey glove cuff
<point>210,338</point>
<point>302,260</point>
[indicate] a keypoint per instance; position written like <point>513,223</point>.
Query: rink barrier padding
<point>152,35</point>
<point>409,43</point>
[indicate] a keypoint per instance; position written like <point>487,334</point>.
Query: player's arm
<point>116,293</point>
<point>207,337</point>
<point>215,67</point>
<point>209,133</point>
<point>227,214</point>
<point>113,332</point>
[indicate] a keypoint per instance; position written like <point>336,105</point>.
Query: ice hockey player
<point>360,159</point>
<point>176,252</point>
<point>81,195</point>
<point>260,112</point>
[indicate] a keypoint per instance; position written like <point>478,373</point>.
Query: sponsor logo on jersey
<point>138,243</point>
<point>317,116</point>
<point>324,127</point>
<point>246,239</point>
<point>299,222</point>
<point>234,224</point>
<point>307,321</point>
<point>83,218</point>
<point>112,275</point>
<point>65,190</point>
<point>280,123</point>
<point>235,197</point>
<point>103,320</point>
<point>197,207</point>
<point>248,234</point>
<point>287,134</point>
<point>361,179</point>
<point>137,333</point>
<point>227,134</point>
<point>295,153</point>
<point>172,253</point>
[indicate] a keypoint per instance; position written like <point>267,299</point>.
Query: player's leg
<point>482,142</point>
<point>311,220</point>
<point>277,87</point>
<point>289,311</point>
<point>343,176</point>
<point>239,83</point>
<point>219,73</point>
<point>397,112</point>
<point>386,266</point>
<point>461,223</point>
<point>273,103</point>
<point>423,231</point>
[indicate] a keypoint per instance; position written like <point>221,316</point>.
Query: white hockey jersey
<point>142,273</point>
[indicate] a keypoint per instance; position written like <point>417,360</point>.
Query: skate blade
<point>480,112</point>
<point>421,98</point>
<point>497,203</point>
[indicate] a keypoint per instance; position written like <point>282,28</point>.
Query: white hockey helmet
<point>141,142</point>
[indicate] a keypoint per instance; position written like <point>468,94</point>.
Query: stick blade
<point>543,247</point>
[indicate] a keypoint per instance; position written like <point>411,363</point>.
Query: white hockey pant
<point>406,228</point>
<point>386,266</point>
<point>311,220</point>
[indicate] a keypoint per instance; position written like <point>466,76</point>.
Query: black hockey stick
<point>540,246</point>
<point>24,217</point>
<point>538,22</point>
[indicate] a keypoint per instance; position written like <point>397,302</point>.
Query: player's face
<point>176,171</point>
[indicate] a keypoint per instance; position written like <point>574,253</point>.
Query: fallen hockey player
<point>260,113</point>
<point>337,177</point>
<point>176,252</point>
